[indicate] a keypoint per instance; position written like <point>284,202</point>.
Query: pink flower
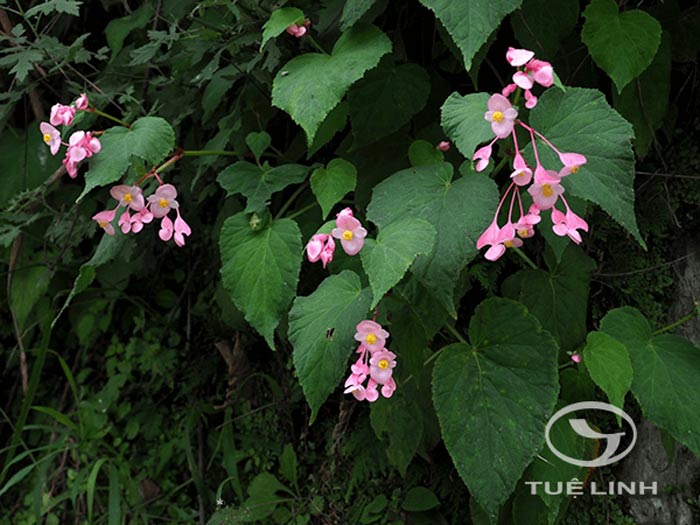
<point>62,115</point>
<point>523,80</point>
<point>82,145</point>
<point>382,366</point>
<point>124,222</point>
<point>139,219</point>
<point>509,89</point>
<point>572,162</point>
<point>522,175</point>
<point>576,358</point>
<point>71,167</point>
<point>51,136</point>
<point>82,102</point>
<point>371,335</point>
<point>371,393</point>
<point>320,247</point>
<point>545,195</point>
<point>296,30</point>
<point>389,388</point>
<point>568,224</point>
<point>162,201</point>
<point>443,146</point>
<point>501,115</point>
<point>498,239</point>
<point>350,232</point>
<point>327,252</point>
<point>542,72</point>
<point>530,99</point>
<point>104,220</point>
<point>525,225</point>
<point>166,229</point>
<point>182,230</point>
<point>128,196</point>
<point>519,57</point>
<point>483,157</point>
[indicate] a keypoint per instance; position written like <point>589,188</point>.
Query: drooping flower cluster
<point>81,144</point>
<point>347,229</point>
<point>544,185</point>
<point>299,30</point>
<point>156,206</point>
<point>375,365</point>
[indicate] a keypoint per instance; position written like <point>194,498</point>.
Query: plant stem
<point>172,160</point>
<point>500,165</point>
<point>516,99</point>
<point>110,117</point>
<point>205,152</point>
<point>676,324</point>
<point>302,211</point>
<point>290,200</point>
<point>525,258</point>
<point>315,44</point>
<point>455,333</point>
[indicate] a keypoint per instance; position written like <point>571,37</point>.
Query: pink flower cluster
<point>375,365</point>
<point>544,185</point>
<point>347,229</point>
<point>156,206</point>
<point>298,30</point>
<point>81,144</point>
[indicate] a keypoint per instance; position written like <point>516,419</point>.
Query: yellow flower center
<point>522,232</point>
<point>371,339</point>
<point>508,244</point>
<point>347,235</point>
<point>547,190</point>
<point>383,364</point>
<point>498,116</point>
<point>128,197</point>
<point>102,224</point>
<point>574,169</point>
<point>163,203</point>
<point>47,138</point>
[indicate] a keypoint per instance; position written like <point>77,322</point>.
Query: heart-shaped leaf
<point>464,123</point>
<point>332,183</point>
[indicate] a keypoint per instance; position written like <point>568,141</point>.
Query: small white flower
<point>219,502</point>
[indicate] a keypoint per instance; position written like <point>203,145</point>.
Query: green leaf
<point>353,10</point>
<point>644,102</point>
<point>28,285</point>
<point>332,183</point>
<point>493,397</point>
<point>119,28</point>
<point>541,25</point>
<point>420,499</point>
<point>621,44</point>
<point>279,21</point>
<point>22,62</point>
<point>387,259</point>
<point>149,138</point>
<point>260,269</point>
<point>471,23</point>
<point>313,84</point>
<point>288,464</point>
<point>463,121</point>
<point>322,329</point>
<point>333,123</point>
<point>258,143</point>
<point>610,367</point>
<point>459,210</point>
<point>401,421</point>
<point>385,100</point>
<point>257,183</point>
<point>581,121</point>
<point>559,297</point>
<point>666,374</point>
<point>69,7</point>
<point>421,153</point>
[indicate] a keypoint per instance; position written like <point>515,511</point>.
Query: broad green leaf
<point>471,23</point>
<point>353,10</point>
<point>463,121</point>
<point>333,123</point>
<point>385,100</point>
<point>257,183</point>
<point>644,102</point>
<point>258,142</point>
<point>260,269</point>
<point>558,297</point>
<point>332,183</point>
<point>387,259</point>
<point>459,210</point>
<point>149,138</point>
<point>69,7</point>
<point>401,421</point>
<point>610,367</point>
<point>666,374</point>
<point>621,44</point>
<point>420,499</point>
<point>288,464</point>
<point>119,28</point>
<point>421,153</point>
<point>321,330</point>
<point>279,21</point>
<point>581,121</point>
<point>493,397</point>
<point>28,285</point>
<point>313,84</point>
<point>541,25</point>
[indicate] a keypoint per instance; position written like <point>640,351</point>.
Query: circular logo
<point>582,428</point>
